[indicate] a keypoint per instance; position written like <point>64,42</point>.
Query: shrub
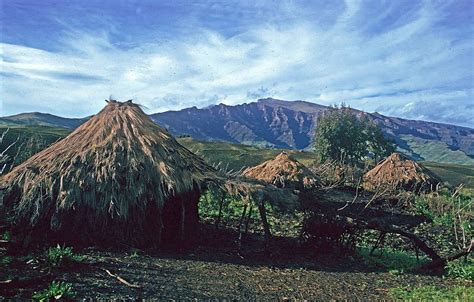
<point>56,290</point>
<point>451,211</point>
<point>6,236</point>
<point>61,255</point>
<point>461,269</point>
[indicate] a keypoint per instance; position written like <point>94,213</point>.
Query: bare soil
<point>216,269</point>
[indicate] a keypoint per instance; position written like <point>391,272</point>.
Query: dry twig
<point>121,280</point>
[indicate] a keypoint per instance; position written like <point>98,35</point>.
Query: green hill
<point>32,139</point>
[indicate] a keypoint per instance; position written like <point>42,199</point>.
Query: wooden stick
<point>248,219</point>
<point>221,203</point>
<point>120,279</point>
<point>263,216</point>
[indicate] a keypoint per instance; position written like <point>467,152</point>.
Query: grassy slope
<point>28,140</point>
<point>232,156</point>
<point>454,174</point>
<point>436,151</point>
<point>236,156</point>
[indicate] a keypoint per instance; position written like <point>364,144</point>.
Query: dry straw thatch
<point>110,178</point>
<point>283,171</point>
<point>398,172</point>
<point>117,178</point>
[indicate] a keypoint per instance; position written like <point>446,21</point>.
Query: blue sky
<point>412,59</point>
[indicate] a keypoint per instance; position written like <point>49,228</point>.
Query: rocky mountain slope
<point>277,123</point>
<point>283,124</point>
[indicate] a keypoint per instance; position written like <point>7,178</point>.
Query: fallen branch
<point>436,260</point>
<point>443,261</point>
<point>388,228</point>
<point>376,224</point>
<point>120,279</point>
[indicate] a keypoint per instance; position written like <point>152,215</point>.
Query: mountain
<point>276,123</point>
<point>284,124</point>
<point>42,119</point>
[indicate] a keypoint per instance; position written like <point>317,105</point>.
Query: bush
<point>56,290</point>
<point>431,293</point>
<point>461,269</point>
<point>448,211</point>
<point>61,255</point>
<point>6,236</point>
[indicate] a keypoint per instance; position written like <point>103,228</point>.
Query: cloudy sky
<point>411,59</point>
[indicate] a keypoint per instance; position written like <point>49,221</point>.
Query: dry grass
<point>109,173</point>
<point>283,171</point>
<point>397,172</point>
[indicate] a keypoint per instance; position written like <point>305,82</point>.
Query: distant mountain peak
<point>298,105</point>
<point>272,122</point>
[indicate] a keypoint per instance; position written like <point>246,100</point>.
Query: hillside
<point>42,119</point>
<point>282,124</point>
<point>227,155</point>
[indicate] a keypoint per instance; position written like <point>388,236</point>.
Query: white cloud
<point>391,71</point>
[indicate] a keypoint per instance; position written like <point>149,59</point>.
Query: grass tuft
<point>55,291</point>
<point>432,293</point>
<point>60,256</point>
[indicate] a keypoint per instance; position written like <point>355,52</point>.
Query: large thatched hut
<point>398,172</point>
<point>283,171</point>
<point>119,177</point>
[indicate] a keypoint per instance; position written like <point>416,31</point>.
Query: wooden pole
<point>219,215</point>
<point>263,216</point>
<point>182,220</point>
<point>248,219</point>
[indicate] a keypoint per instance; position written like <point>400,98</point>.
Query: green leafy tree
<point>377,143</point>
<point>345,136</point>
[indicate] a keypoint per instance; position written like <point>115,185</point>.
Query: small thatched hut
<point>398,172</point>
<point>117,178</point>
<point>283,171</point>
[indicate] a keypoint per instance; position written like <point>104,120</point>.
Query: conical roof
<point>112,170</point>
<point>399,172</point>
<point>283,171</point>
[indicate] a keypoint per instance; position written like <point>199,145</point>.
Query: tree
<point>378,144</point>
<point>345,137</point>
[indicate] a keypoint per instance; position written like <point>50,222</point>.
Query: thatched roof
<point>283,171</point>
<point>398,172</point>
<point>110,179</point>
<point>113,166</point>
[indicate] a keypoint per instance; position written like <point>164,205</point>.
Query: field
<point>220,266</point>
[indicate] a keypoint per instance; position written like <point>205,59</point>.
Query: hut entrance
<point>180,219</point>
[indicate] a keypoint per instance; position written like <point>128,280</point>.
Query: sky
<point>410,59</point>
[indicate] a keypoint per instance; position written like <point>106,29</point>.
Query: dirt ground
<point>217,270</point>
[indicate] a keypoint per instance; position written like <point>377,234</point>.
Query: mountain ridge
<point>290,124</point>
